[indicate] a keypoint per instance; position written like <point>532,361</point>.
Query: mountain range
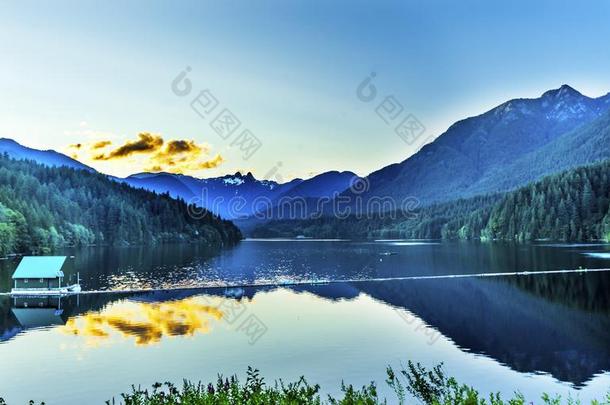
<point>231,196</point>
<point>239,195</point>
<point>511,145</point>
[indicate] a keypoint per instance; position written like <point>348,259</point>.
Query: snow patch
<point>236,181</point>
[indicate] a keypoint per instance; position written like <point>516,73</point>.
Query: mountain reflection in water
<point>555,324</point>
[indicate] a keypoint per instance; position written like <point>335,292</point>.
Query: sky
<point>95,80</point>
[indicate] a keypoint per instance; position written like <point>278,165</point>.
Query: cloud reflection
<point>147,323</point>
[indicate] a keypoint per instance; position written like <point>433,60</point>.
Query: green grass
<point>411,385</point>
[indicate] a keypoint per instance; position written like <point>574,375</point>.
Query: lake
<point>370,304</point>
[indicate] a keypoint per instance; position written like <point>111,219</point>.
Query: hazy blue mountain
<point>160,183</point>
<point>506,147</point>
<point>229,196</point>
<point>45,157</point>
<point>309,198</point>
<point>328,184</point>
<point>241,195</point>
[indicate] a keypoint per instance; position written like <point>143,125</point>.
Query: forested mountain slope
<point>43,207</point>
<point>584,145</point>
<point>570,206</point>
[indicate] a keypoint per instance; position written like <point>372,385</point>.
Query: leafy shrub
<point>429,387</point>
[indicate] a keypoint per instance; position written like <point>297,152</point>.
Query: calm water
<point>545,332</point>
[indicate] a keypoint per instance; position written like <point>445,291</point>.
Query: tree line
<point>43,208</point>
<point>569,206</point>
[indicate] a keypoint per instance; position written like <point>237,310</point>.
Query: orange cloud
<point>182,146</point>
<point>183,157</point>
<point>182,166</point>
<point>101,144</point>
<point>154,169</point>
<point>211,163</point>
<point>180,156</point>
<point>145,143</point>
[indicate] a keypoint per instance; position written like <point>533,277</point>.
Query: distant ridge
<point>224,195</point>
<point>214,193</point>
<point>45,157</point>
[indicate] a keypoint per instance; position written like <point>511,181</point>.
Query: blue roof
<point>40,267</point>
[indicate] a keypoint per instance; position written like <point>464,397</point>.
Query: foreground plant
<point>412,384</point>
<point>433,387</point>
<point>254,391</point>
